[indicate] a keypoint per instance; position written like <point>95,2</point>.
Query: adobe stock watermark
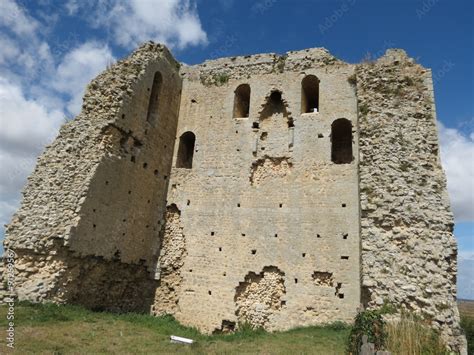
<point>440,73</point>
<point>9,273</point>
<point>58,49</point>
<point>224,49</point>
<point>425,8</point>
<point>329,21</point>
<point>380,52</point>
<point>262,6</point>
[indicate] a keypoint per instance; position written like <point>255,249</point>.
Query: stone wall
<point>408,248</point>
<point>88,228</point>
<point>263,195</point>
<point>258,221</point>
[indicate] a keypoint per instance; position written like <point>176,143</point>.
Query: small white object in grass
<point>175,339</point>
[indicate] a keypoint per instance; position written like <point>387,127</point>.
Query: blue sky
<point>49,50</point>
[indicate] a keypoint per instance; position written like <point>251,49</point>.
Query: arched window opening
<point>310,94</point>
<point>186,150</point>
<point>242,101</point>
<point>341,141</point>
<point>154,97</point>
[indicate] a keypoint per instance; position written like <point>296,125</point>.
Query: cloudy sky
<point>49,51</point>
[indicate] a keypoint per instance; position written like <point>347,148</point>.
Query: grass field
<point>466,308</point>
<point>51,329</point>
<point>48,329</point>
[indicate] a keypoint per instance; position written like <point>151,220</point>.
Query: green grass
<point>466,309</point>
<point>468,325</point>
<point>51,329</point>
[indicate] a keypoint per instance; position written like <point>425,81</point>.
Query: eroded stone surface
<point>94,227</point>
<point>323,278</point>
<point>408,248</point>
<point>172,255</point>
<point>259,296</point>
<point>269,168</point>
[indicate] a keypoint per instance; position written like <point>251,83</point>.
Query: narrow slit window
<point>310,94</point>
<point>186,150</point>
<point>341,141</point>
<point>242,101</point>
<point>154,97</point>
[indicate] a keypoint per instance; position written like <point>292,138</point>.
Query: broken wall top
<point>58,186</point>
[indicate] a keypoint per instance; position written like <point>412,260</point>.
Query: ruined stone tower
<point>282,191</point>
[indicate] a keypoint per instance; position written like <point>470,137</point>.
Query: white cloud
<point>14,17</point>
<point>21,46</point>
<point>466,254</point>
<point>72,6</point>
<point>131,22</point>
<point>40,83</point>
<point>9,50</point>
<point>77,68</point>
<point>30,122</point>
<point>7,208</point>
<point>457,155</point>
<point>27,127</point>
<point>26,124</point>
<point>35,93</point>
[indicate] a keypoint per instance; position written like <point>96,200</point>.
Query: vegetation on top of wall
<point>352,79</point>
<point>405,166</point>
<point>279,63</point>
<point>368,59</point>
<point>408,81</point>
<point>364,109</point>
<point>217,79</point>
<point>390,89</point>
<point>221,78</point>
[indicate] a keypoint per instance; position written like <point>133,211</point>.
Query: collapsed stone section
<point>259,296</point>
<point>172,255</point>
<point>274,105</point>
<point>90,281</point>
<point>94,223</point>
<point>85,232</point>
<point>269,168</point>
<point>408,248</point>
<point>323,278</point>
<point>227,326</point>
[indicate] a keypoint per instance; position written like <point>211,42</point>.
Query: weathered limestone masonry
<point>87,231</point>
<point>409,254</point>
<point>228,192</point>
<point>271,224</point>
